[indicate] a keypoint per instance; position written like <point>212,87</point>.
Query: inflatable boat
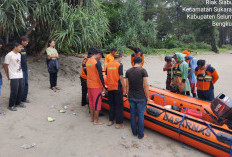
<point>200,124</point>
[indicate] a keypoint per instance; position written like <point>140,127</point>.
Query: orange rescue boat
<point>203,125</point>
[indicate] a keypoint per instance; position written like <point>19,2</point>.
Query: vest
<point>204,79</point>
<point>113,75</point>
<point>83,74</point>
<point>93,80</point>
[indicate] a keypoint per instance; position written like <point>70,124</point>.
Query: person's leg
<point>193,89</point>
<point>51,80</point>
<point>112,107</point>
<point>13,92</point>
<point>141,104</point>
<point>168,83</point>
<point>187,93</point>
<point>91,106</point>
<point>19,94</point>
<point>119,107</point>
<point>55,79</point>
<point>84,91</point>
<point>209,95</point>
<point>25,86</point>
<point>133,116</point>
<point>97,99</point>
<point>200,94</point>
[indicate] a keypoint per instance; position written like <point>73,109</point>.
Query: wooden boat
<point>189,120</point>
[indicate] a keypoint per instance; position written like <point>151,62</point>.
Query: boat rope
<point>179,131</point>
<point>229,139</point>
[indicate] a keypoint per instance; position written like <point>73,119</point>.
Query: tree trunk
<point>41,52</point>
<point>7,38</point>
<point>220,42</point>
<point>213,41</point>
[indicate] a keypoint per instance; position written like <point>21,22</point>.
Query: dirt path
<point>74,135</point>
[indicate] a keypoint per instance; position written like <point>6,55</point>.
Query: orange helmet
<point>186,52</point>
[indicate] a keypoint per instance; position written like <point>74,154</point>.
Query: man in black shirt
<point>24,42</point>
<point>138,95</point>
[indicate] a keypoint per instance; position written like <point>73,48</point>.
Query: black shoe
<point>12,108</point>
<point>21,105</point>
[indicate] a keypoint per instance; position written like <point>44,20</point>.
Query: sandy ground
<point>74,135</point>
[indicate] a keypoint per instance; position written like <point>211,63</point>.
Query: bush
<point>119,43</point>
<point>171,42</point>
<point>189,38</point>
<point>196,45</point>
<point>227,47</point>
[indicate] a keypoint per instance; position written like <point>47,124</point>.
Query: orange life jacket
<point>93,80</point>
<point>133,56</point>
<point>83,74</point>
<point>204,79</point>
<point>113,75</point>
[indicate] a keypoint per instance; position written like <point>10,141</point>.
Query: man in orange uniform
<point>116,89</point>
<point>110,57</point>
<point>207,76</point>
<point>95,84</point>
<point>137,53</point>
<point>83,76</point>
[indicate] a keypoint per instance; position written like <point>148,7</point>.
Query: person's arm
<point>120,71</point>
<point>146,88</point>
<point>6,71</point>
<point>99,69</point>
<point>215,77</point>
<point>127,86</point>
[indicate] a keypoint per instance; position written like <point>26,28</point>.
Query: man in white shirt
<point>13,70</point>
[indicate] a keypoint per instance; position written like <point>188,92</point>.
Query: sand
<point>73,135</point>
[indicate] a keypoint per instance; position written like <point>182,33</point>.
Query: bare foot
<point>110,123</point>
<point>57,88</point>
<point>98,123</point>
<point>145,136</point>
<point>119,126</point>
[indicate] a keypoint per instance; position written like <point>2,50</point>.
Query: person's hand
<point>148,100</point>
<point>124,92</point>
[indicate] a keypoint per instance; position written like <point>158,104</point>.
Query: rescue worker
<point>207,76</point>
<point>96,85</point>
<point>167,67</point>
<point>192,63</point>
<point>116,90</point>
<point>179,74</point>
<point>83,76</point>
<point>137,53</point>
<point>110,57</point>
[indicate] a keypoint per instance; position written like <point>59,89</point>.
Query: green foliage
<point>81,28</point>
<point>189,38</point>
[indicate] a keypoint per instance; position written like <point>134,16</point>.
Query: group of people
<point>135,86</point>
<point>16,69</point>
<point>15,66</point>
<point>185,73</point>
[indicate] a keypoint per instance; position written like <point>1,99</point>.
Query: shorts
<point>95,98</point>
